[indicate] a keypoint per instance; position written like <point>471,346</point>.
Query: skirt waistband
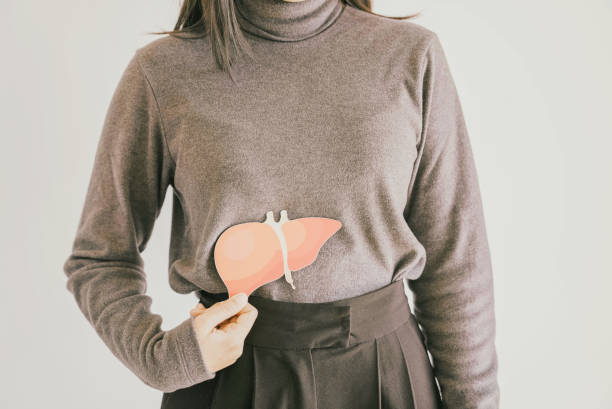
<point>341,323</point>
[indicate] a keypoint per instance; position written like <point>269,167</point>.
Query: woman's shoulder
<point>168,52</point>
<point>393,41</point>
<point>406,32</point>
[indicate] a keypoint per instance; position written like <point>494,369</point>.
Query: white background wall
<point>535,83</point>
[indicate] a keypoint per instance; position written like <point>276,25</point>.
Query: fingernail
<point>241,298</point>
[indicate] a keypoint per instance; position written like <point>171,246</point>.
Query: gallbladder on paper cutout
<point>249,255</point>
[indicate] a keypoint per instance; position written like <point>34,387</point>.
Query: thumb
<point>223,310</point>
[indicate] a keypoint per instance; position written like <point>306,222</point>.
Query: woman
<point>339,113</point>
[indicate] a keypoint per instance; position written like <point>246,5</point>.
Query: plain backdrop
<point>535,82</point>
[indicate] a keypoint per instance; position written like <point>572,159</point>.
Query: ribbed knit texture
<point>349,116</point>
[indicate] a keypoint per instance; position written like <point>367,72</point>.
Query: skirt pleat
<point>396,380</point>
<point>364,352</point>
<point>425,393</point>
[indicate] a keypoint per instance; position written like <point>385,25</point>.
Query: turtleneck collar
<point>281,20</point>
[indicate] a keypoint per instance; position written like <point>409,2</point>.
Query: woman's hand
<point>221,330</point>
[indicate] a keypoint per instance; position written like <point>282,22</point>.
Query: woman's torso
<point>323,127</point>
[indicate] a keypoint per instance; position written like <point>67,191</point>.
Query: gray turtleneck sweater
<point>344,115</point>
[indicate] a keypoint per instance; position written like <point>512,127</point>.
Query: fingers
<point>244,321</point>
<point>221,311</point>
<point>228,316</point>
<point>233,323</point>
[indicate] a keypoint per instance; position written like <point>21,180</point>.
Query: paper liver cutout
<point>249,255</point>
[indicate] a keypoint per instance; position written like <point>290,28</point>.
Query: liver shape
<point>249,255</point>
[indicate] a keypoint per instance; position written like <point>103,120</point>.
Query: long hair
<point>217,18</point>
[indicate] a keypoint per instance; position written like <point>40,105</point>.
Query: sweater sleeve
<point>131,172</point>
<point>453,298</point>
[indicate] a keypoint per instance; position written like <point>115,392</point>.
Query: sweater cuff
<point>193,362</point>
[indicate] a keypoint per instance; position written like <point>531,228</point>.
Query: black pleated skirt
<point>364,352</point>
